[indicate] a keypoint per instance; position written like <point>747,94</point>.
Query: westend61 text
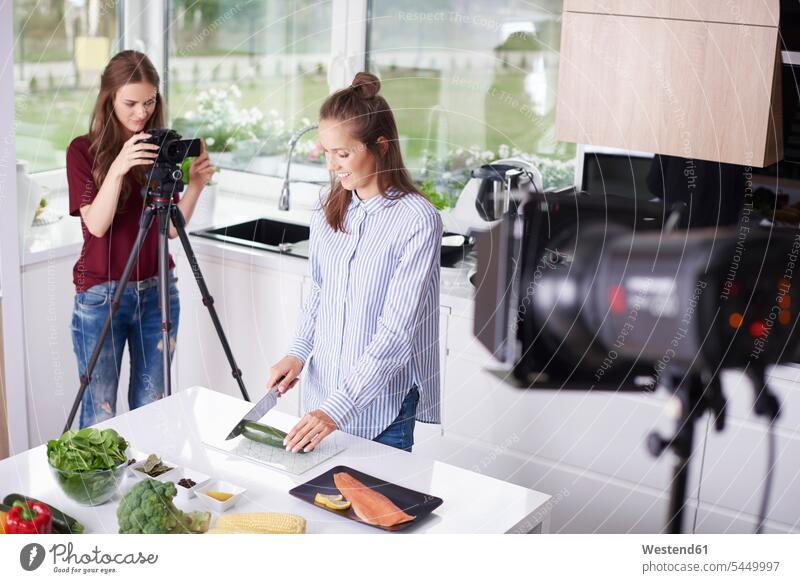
<point>675,550</point>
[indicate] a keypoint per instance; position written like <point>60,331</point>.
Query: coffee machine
<point>492,192</point>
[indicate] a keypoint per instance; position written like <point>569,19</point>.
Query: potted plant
<point>222,123</point>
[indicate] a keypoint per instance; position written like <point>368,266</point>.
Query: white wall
<point>12,420</point>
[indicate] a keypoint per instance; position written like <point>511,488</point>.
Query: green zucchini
<point>62,523</point>
<point>264,434</point>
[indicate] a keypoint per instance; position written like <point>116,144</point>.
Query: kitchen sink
<point>292,239</point>
<point>266,234</point>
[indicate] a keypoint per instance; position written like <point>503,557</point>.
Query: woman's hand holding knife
<point>315,425</point>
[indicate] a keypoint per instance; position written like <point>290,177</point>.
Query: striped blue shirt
<point>369,330</point>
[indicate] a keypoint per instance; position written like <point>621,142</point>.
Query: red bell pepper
<point>29,518</point>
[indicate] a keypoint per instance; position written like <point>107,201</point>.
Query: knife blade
<point>261,408</point>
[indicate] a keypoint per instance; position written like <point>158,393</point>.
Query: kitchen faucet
<point>283,202</point>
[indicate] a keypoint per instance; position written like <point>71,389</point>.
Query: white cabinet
<point>258,309</point>
<point>587,449</point>
<point>425,433</point>
<point>51,370</point>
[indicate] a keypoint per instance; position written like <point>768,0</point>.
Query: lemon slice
<point>332,501</point>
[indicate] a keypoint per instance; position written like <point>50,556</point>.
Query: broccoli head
<point>148,509</point>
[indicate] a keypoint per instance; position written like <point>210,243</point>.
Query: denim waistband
<point>143,284</point>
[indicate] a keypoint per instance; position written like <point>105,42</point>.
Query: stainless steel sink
<point>266,234</point>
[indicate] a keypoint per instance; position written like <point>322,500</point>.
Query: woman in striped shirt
<point>368,335</point>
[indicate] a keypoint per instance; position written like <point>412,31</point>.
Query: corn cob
<point>259,523</point>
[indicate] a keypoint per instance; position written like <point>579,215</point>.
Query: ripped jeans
<point>137,323</point>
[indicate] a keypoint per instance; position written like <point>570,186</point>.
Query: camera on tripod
<point>165,176</point>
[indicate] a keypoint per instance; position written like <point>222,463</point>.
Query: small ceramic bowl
<point>135,470</point>
<point>220,486</point>
<point>199,478</point>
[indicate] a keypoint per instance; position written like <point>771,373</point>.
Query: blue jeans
<point>137,322</point>
<point>400,433</point>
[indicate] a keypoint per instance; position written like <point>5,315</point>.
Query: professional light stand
<point>159,203</point>
<point>697,394</point>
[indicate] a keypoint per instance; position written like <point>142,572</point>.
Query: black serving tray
<point>411,502</point>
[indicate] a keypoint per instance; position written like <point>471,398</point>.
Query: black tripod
<point>159,203</point>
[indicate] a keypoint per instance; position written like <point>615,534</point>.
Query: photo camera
<point>173,149</point>
<point>165,175</point>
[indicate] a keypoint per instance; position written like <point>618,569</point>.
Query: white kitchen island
<point>176,427</point>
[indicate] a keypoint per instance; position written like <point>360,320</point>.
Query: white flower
<point>209,141</point>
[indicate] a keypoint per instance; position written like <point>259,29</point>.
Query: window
<point>60,49</point>
<point>247,75</point>
<point>471,82</point>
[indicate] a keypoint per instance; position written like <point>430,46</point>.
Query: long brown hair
<point>368,117</point>
<point>106,132</point>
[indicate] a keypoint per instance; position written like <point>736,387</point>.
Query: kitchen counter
<point>240,197</point>
<point>176,428</point>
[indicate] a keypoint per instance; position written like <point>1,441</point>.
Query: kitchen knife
<point>256,413</point>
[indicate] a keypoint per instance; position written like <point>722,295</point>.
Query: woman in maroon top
<point>105,171</point>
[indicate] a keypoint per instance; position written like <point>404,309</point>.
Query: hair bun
<point>366,85</point>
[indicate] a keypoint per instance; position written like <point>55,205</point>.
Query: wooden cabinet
<point>759,13</point>
<point>690,79</point>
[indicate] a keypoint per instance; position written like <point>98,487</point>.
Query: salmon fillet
<point>370,506</point>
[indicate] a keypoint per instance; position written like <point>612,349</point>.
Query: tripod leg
<point>86,378</point>
<point>163,296</point>
<point>208,301</point>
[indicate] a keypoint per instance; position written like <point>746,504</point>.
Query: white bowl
<point>179,474</point>
<point>134,471</point>
<point>220,486</point>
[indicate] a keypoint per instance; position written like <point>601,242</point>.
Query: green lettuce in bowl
<point>88,464</point>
